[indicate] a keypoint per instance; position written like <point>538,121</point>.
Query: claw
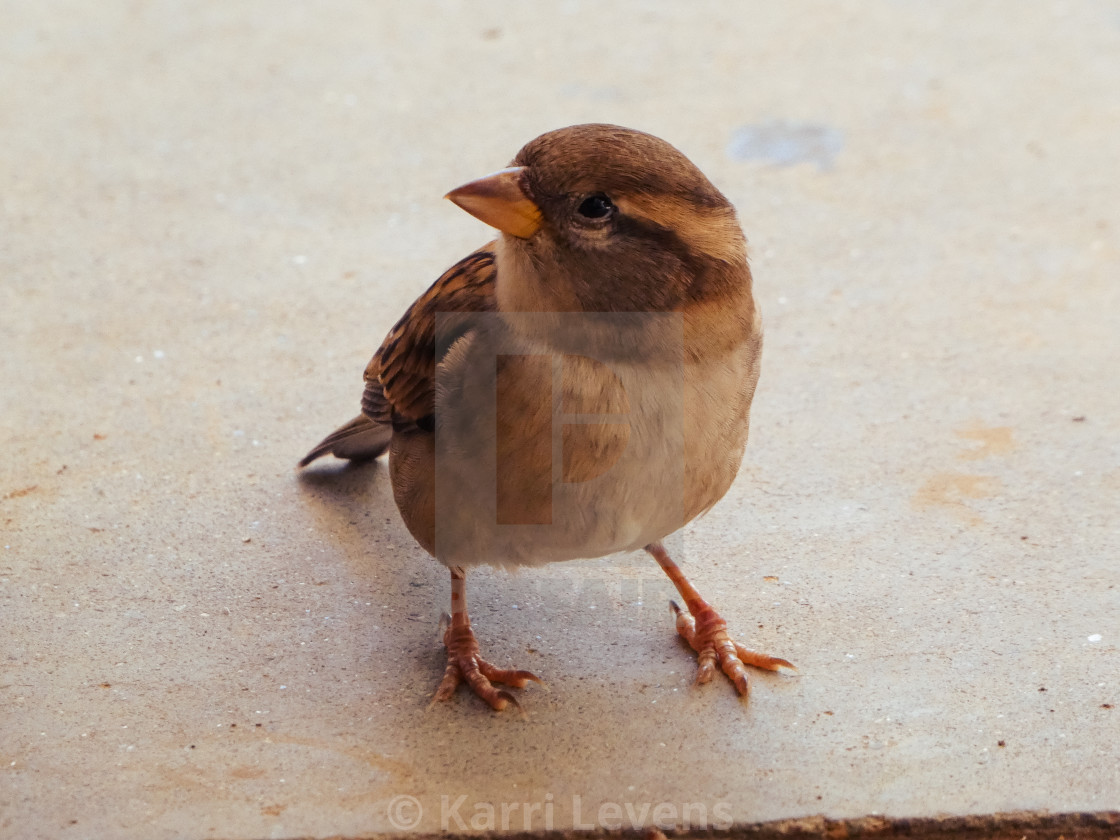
<point>713,645</point>
<point>516,679</point>
<point>465,664</point>
<point>762,660</point>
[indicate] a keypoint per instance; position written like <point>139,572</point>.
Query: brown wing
<point>400,378</point>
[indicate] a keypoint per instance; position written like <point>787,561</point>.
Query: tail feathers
<point>361,439</point>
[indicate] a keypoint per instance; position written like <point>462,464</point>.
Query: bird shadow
<point>352,506</point>
<point>341,478</point>
<point>343,489</point>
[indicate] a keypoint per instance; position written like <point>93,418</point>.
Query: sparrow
<point>579,386</point>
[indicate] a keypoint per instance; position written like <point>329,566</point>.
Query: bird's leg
<point>706,633</point>
<point>463,660</point>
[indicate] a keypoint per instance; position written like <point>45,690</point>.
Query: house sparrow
<point>579,386</point>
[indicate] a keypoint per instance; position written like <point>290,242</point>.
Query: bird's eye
<point>596,206</point>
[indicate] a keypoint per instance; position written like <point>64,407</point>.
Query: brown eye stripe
<point>689,230</point>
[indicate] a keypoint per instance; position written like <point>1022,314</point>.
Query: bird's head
<point>599,218</point>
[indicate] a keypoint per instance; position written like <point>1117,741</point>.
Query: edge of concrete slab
<point>1012,825</point>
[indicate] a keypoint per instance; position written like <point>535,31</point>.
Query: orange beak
<point>500,201</point>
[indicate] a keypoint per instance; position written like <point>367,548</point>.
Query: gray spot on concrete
<point>784,144</point>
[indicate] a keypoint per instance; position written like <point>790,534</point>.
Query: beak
<point>500,201</point>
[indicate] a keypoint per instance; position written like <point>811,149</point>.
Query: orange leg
<point>464,662</point>
<point>706,633</point>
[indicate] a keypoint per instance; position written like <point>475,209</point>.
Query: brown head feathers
<point>628,224</point>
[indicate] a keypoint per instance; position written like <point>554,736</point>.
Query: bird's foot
<point>465,664</point>
<point>706,633</point>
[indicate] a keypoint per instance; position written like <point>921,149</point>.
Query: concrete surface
<point>213,212</point>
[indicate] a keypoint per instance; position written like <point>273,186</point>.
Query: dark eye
<point>596,206</point>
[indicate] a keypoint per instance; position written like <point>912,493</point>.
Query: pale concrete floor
<point>213,212</point>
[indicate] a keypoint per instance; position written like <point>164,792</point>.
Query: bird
<point>579,386</point>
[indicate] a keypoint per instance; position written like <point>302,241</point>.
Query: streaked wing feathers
<point>400,378</point>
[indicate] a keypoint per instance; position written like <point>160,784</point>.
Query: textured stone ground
<point>211,213</point>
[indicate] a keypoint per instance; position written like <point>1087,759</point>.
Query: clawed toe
<point>465,664</point>
<point>708,636</point>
